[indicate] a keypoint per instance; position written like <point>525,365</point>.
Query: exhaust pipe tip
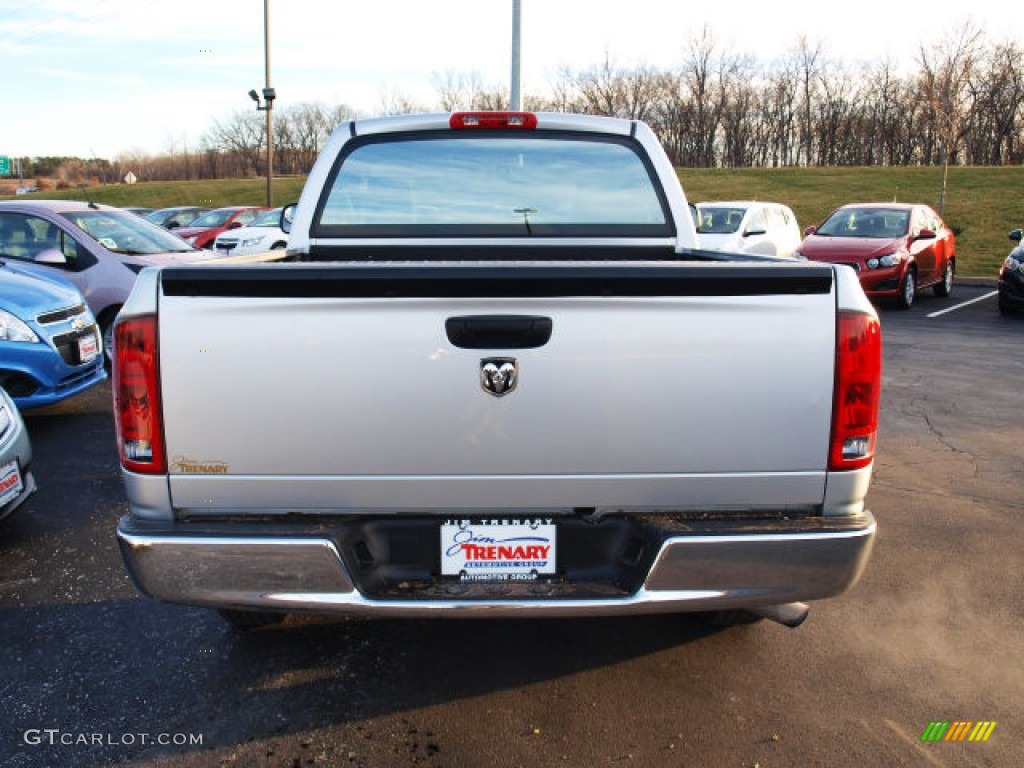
<point>788,614</point>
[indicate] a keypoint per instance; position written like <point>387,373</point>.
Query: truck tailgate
<point>683,386</point>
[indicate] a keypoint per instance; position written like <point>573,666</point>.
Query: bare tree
<point>807,56</point>
<point>703,75</point>
<point>779,115</point>
<point>739,116</point>
<point>600,89</point>
<point>946,71</point>
<point>241,137</point>
<point>997,94</point>
<point>393,102</point>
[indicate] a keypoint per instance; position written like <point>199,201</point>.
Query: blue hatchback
<point>50,346</point>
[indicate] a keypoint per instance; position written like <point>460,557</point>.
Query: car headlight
<point>251,242</point>
<point>889,260</point>
<point>14,329</point>
<point>1012,265</point>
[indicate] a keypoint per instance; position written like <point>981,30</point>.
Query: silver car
<point>97,248</point>
<point>16,481</point>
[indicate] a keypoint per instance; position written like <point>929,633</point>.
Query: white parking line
<point>963,304</point>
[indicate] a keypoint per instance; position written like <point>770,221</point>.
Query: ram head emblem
<point>499,375</point>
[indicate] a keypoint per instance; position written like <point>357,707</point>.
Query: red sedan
<point>896,248</point>
<point>203,231</point>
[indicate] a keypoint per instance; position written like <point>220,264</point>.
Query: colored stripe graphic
<point>982,731</point>
<point>958,730</point>
<point>935,731</point>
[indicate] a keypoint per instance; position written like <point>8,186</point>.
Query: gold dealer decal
<point>188,466</point>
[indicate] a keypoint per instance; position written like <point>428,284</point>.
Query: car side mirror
<point>925,234</point>
<point>50,256</point>
<point>757,231</point>
<point>235,225</point>
<point>172,224</point>
<point>287,217</point>
<point>1016,235</point>
<point>810,230</point>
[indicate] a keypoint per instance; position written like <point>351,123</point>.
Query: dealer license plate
<point>498,549</point>
<point>87,347</point>
<point>10,482</point>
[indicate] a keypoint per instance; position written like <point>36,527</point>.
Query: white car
<point>263,234</point>
<point>765,229</point>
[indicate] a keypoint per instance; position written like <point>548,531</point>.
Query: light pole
<point>515,100</point>
<point>268,103</point>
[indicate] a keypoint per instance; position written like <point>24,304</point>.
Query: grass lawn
<point>982,203</point>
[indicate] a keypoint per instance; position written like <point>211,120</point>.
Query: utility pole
<point>268,104</point>
<point>515,101</point>
<point>268,96</point>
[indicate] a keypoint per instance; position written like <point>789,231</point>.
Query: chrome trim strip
<point>60,315</point>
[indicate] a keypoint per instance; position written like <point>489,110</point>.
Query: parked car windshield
<point>866,222</point>
<point>720,220</point>
<point>126,233</point>
<point>268,219</point>
<point>213,219</point>
<point>499,185</point>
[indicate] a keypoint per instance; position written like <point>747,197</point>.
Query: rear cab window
<point>503,184</point>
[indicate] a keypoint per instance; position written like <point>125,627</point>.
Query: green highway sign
<point>5,165</point>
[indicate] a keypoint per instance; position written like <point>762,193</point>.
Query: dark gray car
<point>177,216</point>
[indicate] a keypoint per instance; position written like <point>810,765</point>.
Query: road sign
<point>5,165</point>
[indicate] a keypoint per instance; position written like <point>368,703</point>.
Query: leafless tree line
<point>962,104</point>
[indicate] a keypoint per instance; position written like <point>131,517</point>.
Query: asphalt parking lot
<point>94,675</point>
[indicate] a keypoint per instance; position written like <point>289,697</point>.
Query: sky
<point>107,78</point>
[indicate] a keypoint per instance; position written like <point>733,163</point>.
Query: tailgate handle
<point>498,331</point>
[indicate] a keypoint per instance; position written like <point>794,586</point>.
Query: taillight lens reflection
<point>137,409</point>
<point>858,391</point>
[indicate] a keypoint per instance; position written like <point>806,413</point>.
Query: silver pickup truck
<point>497,377</point>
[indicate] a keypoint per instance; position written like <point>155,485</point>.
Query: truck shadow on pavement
<point>121,668</point>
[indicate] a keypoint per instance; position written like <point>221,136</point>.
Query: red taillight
<point>858,391</point>
<point>138,419</point>
<point>467,120</point>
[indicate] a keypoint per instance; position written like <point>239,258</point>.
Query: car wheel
<point>908,292</point>
<point>245,620</point>
<point>278,246</point>
<point>106,323</point>
<point>943,289</point>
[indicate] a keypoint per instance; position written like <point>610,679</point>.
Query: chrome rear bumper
<point>306,573</point>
